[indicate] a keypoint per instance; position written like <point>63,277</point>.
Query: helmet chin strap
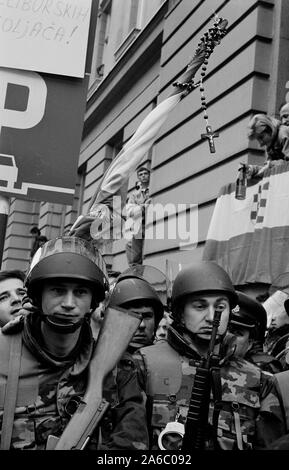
<point>196,338</point>
<point>67,327</point>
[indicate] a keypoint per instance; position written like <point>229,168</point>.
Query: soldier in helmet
<point>45,356</point>
<point>243,410</point>
<point>246,333</point>
<point>133,292</point>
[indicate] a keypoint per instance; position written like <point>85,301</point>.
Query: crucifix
<point>210,135</point>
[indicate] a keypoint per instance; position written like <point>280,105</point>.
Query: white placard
<point>47,36</point>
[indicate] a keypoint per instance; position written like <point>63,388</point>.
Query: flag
<point>250,238</point>
<point>96,223</point>
<point>115,179</point>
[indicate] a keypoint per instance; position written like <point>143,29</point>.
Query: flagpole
<point>4,210</point>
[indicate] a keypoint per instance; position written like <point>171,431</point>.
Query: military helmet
<point>67,258</point>
<point>154,276</point>
<point>131,287</point>
<point>203,277</point>
<point>250,314</point>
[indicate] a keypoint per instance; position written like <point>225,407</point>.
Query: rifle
<point>118,328</point>
<point>197,418</point>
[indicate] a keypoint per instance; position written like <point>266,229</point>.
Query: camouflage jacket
<point>250,409</point>
<point>49,392</point>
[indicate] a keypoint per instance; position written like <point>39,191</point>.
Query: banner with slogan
<point>47,36</point>
<point>41,122</point>
<point>250,238</point>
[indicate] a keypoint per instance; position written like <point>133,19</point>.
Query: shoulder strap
<point>11,391</point>
<point>283,386</point>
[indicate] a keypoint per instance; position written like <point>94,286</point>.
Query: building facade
<point>141,48</point>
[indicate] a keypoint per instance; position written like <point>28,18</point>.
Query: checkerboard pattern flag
<point>250,238</point>
<point>259,203</point>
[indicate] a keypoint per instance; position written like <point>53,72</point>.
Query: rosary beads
<point>208,42</point>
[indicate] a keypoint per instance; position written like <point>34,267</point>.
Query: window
<point>115,145</point>
<point>135,14</point>
<point>134,27</point>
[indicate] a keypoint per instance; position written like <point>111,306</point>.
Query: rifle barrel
<point>197,417</point>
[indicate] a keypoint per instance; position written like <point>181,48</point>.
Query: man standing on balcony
<point>135,210</point>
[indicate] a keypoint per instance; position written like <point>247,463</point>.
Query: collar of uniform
<point>183,347</point>
<point>78,359</point>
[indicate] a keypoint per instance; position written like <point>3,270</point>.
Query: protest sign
<point>47,36</point>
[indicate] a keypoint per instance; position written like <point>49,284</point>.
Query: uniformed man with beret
<point>246,333</point>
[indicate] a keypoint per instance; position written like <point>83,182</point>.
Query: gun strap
<point>11,390</point>
<point>217,396</point>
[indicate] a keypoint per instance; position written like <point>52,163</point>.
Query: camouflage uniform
<point>49,391</point>
<point>166,371</point>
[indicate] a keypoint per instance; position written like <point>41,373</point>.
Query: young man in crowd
<point>136,211</point>
<point>162,328</point>
<point>246,333</point>
<point>12,292</point>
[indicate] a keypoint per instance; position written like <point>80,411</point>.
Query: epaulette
<point>13,326</point>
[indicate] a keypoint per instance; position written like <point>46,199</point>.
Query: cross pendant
<point>210,135</point>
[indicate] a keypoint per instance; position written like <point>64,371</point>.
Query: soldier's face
<point>11,294</point>
<point>66,301</point>
<point>240,338</point>
<point>145,332</point>
<point>198,314</point>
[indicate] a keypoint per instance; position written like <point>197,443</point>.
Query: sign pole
<point>4,210</point>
